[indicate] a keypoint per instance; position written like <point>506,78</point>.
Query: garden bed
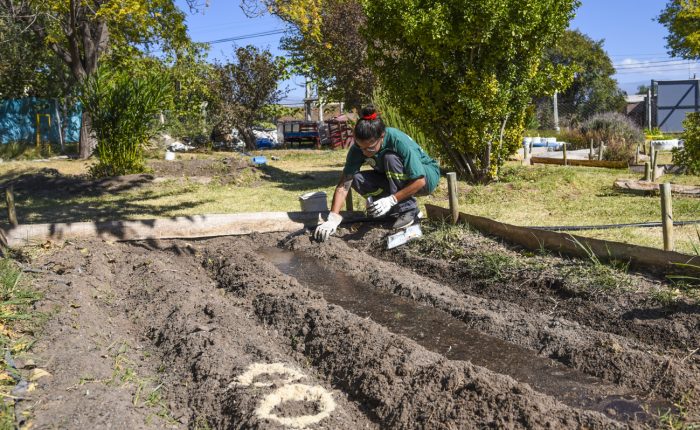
<point>173,333</point>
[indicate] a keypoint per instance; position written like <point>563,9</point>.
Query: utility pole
<point>649,105</point>
<point>307,101</point>
<point>556,112</point>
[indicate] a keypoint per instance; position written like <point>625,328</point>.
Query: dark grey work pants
<point>386,180</point>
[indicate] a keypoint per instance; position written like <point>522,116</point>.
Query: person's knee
<point>392,160</point>
<point>357,181</point>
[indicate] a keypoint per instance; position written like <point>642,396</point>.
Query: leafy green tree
<point>682,20</point>
<point>688,157</point>
<point>336,59</point>
<point>464,72</point>
<point>123,109</point>
<point>643,89</point>
<point>243,88</point>
<point>79,32</point>
<point>593,89</point>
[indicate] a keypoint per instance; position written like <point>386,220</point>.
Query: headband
<point>371,117</point>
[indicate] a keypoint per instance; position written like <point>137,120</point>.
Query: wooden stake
<point>590,151</point>
<point>636,155</point>
<point>654,156</point>
<point>564,153</point>
<point>348,201</point>
<point>647,171</point>
<point>10,198</point>
<point>601,148</point>
<point>452,190</point>
<point>667,215</point>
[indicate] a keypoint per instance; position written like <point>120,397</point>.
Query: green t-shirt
<point>417,164</point>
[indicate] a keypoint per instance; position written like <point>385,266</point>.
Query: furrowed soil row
<point>629,312</point>
<point>611,357</point>
<point>238,344</point>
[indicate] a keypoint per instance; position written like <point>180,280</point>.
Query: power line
<point>652,64</point>
<point>641,63</point>
<point>245,36</point>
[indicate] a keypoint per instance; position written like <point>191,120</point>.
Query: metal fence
<point>37,121</point>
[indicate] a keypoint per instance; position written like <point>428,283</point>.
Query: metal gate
<point>675,99</point>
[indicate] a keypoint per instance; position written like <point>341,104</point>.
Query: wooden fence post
<point>647,171</point>
<point>636,155</point>
<point>564,153</point>
<point>590,151</point>
<point>348,201</point>
<point>601,148</point>
<point>654,157</point>
<point>667,215</point>
<point>10,198</point>
<point>452,190</point>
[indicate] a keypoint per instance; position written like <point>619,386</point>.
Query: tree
<point>643,89</point>
<point>593,89</point>
<point>243,88</point>
<point>464,71</point>
<point>682,20</point>
<point>336,58</point>
<point>688,157</point>
<point>79,32</point>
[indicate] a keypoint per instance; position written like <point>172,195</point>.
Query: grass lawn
<point>537,195</point>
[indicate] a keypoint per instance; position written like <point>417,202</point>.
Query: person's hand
<point>325,230</point>
<point>381,206</point>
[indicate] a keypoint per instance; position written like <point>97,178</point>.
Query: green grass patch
<point>16,318</point>
<point>569,196</point>
<point>529,196</point>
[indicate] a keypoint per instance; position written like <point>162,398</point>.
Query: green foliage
<point>688,156</point>
<point>392,118</point>
<point>680,17</point>
<point>593,89</point>
<point>123,109</point>
<point>619,133</point>
<point>574,137</point>
<point>464,72</point>
<point>244,86</point>
<point>333,52</point>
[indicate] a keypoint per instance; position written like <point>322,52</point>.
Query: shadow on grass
<point>48,197</point>
<point>291,181</point>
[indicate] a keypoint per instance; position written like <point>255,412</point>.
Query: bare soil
<point>210,334</point>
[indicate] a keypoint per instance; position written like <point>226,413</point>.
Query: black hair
<point>367,128</point>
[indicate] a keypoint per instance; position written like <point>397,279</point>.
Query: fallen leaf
<point>36,374</point>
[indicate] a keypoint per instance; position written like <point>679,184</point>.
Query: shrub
<point>124,113</point>
<point>688,157</point>
<point>619,133</point>
<point>574,138</point>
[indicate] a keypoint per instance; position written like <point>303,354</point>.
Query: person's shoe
<point>406,219</point>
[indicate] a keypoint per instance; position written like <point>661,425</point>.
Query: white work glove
<point>325,230</point>
<point>381,206</point>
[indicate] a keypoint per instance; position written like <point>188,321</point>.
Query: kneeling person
<point>400,171</point>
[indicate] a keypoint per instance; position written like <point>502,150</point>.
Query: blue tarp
<point>18,121</point>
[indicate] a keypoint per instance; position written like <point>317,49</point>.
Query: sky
<point>633,39</point>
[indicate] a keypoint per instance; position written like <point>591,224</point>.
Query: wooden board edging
<point>183,227</point>
<point>641,258</point>
<point>645,188</point>
<point>583,163</point>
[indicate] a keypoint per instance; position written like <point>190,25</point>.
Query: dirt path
<point>209,333</point>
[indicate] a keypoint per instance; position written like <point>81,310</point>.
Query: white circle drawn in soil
<point>259,369</point>
<point>297,392</point>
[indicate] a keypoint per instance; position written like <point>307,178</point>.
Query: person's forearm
<point>339,198</point>
<point>409,190</point>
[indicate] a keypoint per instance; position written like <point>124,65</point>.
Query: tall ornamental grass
<point>123,111</point>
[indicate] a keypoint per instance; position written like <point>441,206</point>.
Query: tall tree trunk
<point>248,138</point>
<point>87,143</point>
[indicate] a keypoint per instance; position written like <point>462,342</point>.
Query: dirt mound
<point>224,168</point>
<point>211,333</point>
<point>50,183</point>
